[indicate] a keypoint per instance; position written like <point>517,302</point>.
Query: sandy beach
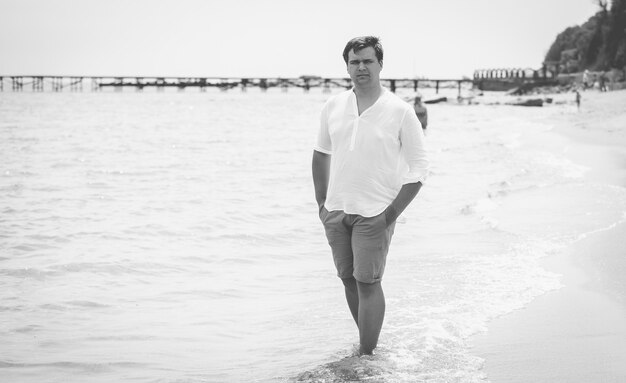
<point>576,333</point>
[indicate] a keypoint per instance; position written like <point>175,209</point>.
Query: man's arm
<point>404,198</point>
<point>414,153</point>
<point>321,174</point>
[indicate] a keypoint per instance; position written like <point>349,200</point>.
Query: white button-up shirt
<point>373,154</point>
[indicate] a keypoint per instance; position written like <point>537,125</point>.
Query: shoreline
<point>576,333</point>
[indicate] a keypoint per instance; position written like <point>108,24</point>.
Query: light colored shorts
<point>359,244</point>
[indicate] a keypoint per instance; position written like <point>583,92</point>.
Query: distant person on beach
<point>602,82</point>
<point>585,79</point>
<point>420,110</point>
<point>368,164</point>
<point>577,99</point>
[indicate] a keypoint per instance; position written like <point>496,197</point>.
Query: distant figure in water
<point>577,99</point>
<point>420,110</point>
<point>365,134</point>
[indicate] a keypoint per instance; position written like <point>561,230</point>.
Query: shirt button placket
<point>355,128</point>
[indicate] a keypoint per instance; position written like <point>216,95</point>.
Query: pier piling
<point>17,84</point>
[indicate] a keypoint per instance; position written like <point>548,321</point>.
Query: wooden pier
<point>139,83</point>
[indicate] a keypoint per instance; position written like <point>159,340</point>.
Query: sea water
<point>174,237</point>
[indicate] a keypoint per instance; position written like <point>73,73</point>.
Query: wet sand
<point>576,333</point>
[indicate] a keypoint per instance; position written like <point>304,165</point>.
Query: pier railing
<point>501,79</point>
<point>139,83</point>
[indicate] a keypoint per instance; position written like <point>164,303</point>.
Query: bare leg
<point>352,296</point>
<point>371,314</point>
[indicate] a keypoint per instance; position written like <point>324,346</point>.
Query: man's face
<point>363,66</point>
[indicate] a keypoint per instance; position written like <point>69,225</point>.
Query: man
<point>367,140</point>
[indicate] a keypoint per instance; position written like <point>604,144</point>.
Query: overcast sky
<point>288,38</point>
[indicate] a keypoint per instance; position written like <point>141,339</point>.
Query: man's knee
<point>367,289</point>
<point>349,282</point>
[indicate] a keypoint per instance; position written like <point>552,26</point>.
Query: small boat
<point>436,100</point>
<point>529,102</point>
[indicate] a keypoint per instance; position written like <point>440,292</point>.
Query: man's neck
<point>369,91</point>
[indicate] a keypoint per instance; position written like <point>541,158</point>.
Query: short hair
<point>362,42</point>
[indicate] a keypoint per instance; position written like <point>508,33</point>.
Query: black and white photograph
<point>284,191</point>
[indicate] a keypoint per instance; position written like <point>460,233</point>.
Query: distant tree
<point>594,55</point>
<point>616,35</point>
<point>602,4</point>
<point>564,41</point>
<point>599,43</point>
